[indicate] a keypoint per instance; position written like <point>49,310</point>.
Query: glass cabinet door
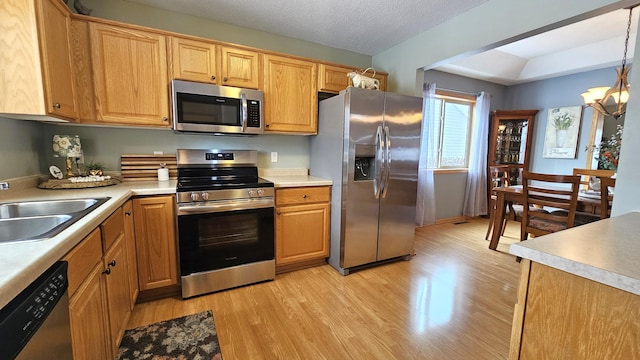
<point>511,141</point>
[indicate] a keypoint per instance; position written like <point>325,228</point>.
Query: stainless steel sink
<point>40,208</point>
<point>39,220</point>
<point>30,228</point>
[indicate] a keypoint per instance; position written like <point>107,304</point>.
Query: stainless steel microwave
<point>208,108</point>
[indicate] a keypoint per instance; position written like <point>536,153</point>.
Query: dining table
<point>587,201</point>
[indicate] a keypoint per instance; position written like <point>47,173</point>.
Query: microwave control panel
<point>253,113</point>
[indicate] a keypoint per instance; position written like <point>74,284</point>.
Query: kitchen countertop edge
<point>605,251</point>
<point>282,181</point>
<point>24,262</point>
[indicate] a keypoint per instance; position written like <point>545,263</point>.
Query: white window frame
<point>453,97</point>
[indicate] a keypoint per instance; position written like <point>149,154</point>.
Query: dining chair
<point>548,191</point>
<point>587,174</point>
<point>498,177</point>
<point>590,180</point>
<point>606,196</point>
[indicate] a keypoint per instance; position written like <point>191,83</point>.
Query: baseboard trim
<point>452,220</point>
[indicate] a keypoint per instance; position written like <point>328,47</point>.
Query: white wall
<point>498,22</point>
<point>491,24</point>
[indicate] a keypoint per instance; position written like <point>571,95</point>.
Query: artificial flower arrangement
<point>609,150</point>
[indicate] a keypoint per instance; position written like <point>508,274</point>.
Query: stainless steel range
<point>225,220</point>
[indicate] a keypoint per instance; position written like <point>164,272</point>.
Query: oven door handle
<point>222,206</point>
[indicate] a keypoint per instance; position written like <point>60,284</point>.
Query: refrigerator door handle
<point>387,157</point>
<point>377,180</point>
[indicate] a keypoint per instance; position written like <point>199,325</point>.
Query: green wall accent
<point>21,142</point>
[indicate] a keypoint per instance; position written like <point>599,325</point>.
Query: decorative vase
<point>561,135</point>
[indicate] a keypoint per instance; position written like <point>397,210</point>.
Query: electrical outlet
<point>274,156</point>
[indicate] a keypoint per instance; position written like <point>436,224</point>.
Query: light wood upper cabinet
<point>209,62</point>
<point>157,252</point>
<point>130,76</point>
<point>240,67</point>
<point>290,94</point>
<point>333,78</point>
<point>194,60</point>
<point>37,77</point>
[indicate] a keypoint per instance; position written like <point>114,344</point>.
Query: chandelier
<point>597,97</point>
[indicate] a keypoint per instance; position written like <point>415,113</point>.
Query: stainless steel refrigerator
<point>368,143</point>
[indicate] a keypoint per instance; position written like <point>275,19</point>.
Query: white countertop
<point>23,262</point>
<point>606,251</point>
<point>297,181</point>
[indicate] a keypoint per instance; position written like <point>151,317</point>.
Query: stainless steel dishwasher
<point>35,324</point>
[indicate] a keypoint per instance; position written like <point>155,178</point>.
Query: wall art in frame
<point>563,128</point>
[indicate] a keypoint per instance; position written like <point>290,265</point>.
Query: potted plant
<point>562,122</point>
<point>94,168</point>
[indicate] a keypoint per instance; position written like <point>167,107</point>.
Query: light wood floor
<point>453,300</point>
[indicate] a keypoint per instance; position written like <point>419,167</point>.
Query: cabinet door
<point>194,60</point>
<point>333,78</point>
<point>302,233</point>
<point>291,95</point>
<point>130,245</point>
<point>130,76</point>
<point>239,67</point>
<point>155,242</point>
<point>117,278</point>
<point>88,311</point>
<point>53,28</point>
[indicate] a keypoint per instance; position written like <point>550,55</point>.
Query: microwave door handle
<point>243,111</point>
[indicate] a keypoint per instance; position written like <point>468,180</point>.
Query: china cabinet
<point>510,141</point>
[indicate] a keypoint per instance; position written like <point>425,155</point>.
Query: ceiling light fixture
<point>597,97</point>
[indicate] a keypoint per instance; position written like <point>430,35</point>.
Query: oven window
<point>218,240</point>
<point>229,231</point>
<point>202,109</point>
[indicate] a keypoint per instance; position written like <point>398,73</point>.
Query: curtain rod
<point>459,92</point>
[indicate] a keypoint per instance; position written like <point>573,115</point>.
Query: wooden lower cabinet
<point>156,246</point>
<point>302,227</point>
<point>118,291</point>
<point>88,311</point>
<point>99,291</point>
<point>130,245</point>
<point>564,316</point>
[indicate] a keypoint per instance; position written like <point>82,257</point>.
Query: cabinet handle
<point>106,271</point>
<point>128,213</point>
<point>56,105</point>
<point>266,125</point>
<point>224,78</point>
<point>165,119</point>
<point>304,196</point>
<point>112,263</point>
<point>213,77</point>
<point>278,213</point>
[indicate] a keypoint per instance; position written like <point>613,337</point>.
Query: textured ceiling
<point>363,26</point>
<point>372,26</point>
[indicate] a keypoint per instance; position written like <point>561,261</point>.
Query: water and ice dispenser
<point>364,164</point>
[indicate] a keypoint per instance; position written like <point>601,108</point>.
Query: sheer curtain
<point>475,197</point>
<point>426,201</point>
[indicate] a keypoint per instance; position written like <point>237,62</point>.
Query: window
<point>452,130</point>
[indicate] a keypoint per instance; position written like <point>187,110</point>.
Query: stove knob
<point>205,196</point>
<point>260,192</point>
<point>195,196</point>
<point>252,193</point>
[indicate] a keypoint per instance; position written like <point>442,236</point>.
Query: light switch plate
<point>274,156</point>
